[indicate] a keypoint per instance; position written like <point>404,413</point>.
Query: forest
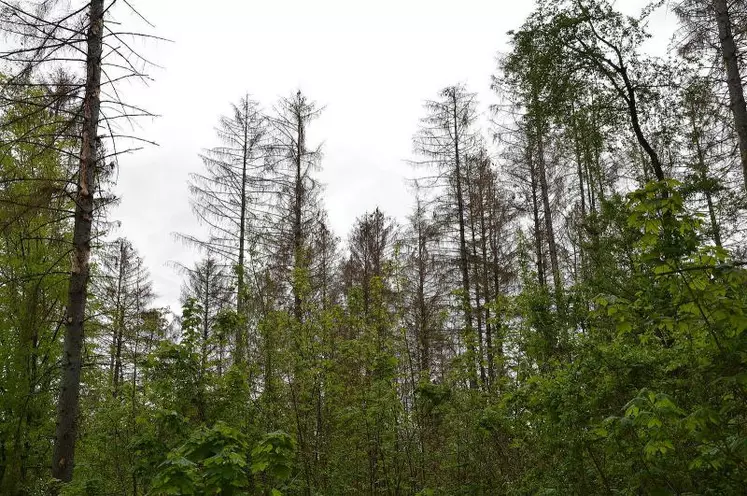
<point>563,312</point>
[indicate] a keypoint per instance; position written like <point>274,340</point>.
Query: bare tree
<point>490,224</point>
<point>231,197</point>
<point>295,213</point>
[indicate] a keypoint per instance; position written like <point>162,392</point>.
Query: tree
<point>231,196</point>
<point>490,223</point>
<point>294,211</point>
<point>370,245</point>
<point>35,237</point>
<point>207,285</point>
<point>445,138</point>
<point>78,34</point>
<point>733,77</point>
<point>126,292</point>
<point>710,31</point>
<point>425,294</point>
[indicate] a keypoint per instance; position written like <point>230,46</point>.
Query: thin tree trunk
<point>138,313</point>
<point>579,166</point>
<point>241,290</point>
<point>421,312</point>
<point>628,95</point>
<point>703,176</point>
<point>549,230</point>
<point>204,349</point>
<point>478,295</point>
<point>119,322</point>
<point>485,280</point>
<point>466,305</point>
<point>592,163</point>
<point>538,252</point>
<point>297,216</point>
<point>715,228</point>
<point>495,346</point>
<point>68,405</point>
<point>590,193</point>
<point>205,321</point>
<point>118,363</point>
<point>733,78</point>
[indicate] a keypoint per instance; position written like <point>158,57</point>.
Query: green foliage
<point>272,457</point>
<point>649,402</point>
<point>304,372</point>
<point>211,461</point>
<point>35,232</point>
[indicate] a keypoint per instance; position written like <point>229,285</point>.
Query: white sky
<point>372,63</point>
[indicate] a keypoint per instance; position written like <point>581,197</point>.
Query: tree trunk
<point>205,321</point>
<point>702,170</point>
<point>733,78</point>
<point>549,229</point>
<point>487,297</point>
<point>116,359</point>
<point>495,345</point>
<point>68,404</point>
<point>478,296</point>
<point>579,166</point>
<point>297,215</point>
<point>133,416</point>
<point>204,348</point>
<point>422,316</point>
<point>466,305</point>
<point>538,252</point>
<point>240,290</point>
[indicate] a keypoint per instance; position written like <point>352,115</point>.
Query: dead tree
<point>425,292</point>
<point>231,196</point>
<point>370,243</point>
<point>294,213</point>
<point>445,138</point>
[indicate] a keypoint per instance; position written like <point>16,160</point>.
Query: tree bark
<point>733,78</point>
<point>68,403</point>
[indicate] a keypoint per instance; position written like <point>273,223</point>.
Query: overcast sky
<point>371,63</point>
